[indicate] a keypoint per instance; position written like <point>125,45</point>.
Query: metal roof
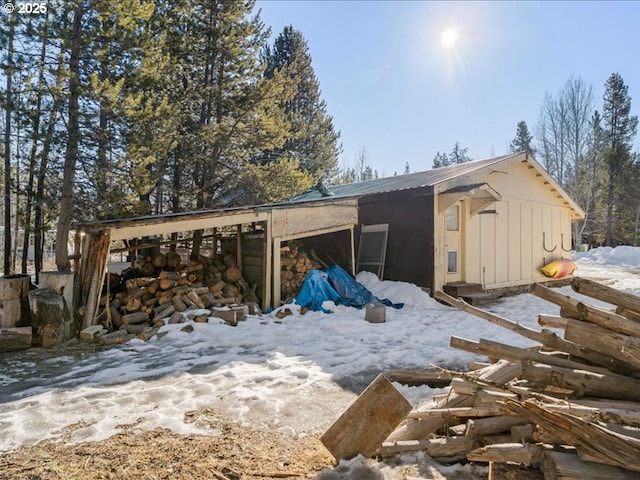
<point>427,178</point>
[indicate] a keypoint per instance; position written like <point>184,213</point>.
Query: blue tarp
<point>335,284</point>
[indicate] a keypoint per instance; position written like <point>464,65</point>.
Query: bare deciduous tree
<point>563,134</point>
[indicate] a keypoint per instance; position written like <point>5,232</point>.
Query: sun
<point>450,37</point>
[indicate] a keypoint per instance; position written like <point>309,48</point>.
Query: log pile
<point>570,406</point>
<point>163,289</point>
<point>294,265</point>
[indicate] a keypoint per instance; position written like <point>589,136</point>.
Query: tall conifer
<point>313,139</point>
<point>620,129</point>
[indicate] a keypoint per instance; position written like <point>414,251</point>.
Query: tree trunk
<point>71,154</point>
<point>610,200</point>
<point>8,108</point>
<point>38,220</point>
<point>35,136</point>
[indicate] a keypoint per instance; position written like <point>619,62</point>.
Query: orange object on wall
<point>559,268</point>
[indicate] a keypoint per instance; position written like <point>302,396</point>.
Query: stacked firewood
<point>176,292</point>
<point>294,265</point>
<point>570,407</point>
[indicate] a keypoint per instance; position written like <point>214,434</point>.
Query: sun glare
<point>450,37</point>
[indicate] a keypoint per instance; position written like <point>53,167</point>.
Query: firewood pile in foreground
<point>569,406</point>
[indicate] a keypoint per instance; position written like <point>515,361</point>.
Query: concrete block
<point>375,312</point>
<point>92,332</point>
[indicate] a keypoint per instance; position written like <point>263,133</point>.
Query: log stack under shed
<point>295,263</point>
<point>569,407</point>
<point>164,289</point>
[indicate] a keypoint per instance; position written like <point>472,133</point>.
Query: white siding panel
<point>473,253</point>
<point>551,235</point>
<point>502,242</point>
<point>515,241</point>
<point>527,238</point>
<point>536,230</point>
<point>488,246</point>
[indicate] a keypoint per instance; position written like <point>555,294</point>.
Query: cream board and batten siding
<point>505,248</point>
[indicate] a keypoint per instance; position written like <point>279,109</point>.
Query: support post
<point>277,287</point>
<point>239,246</point>
<point>353,251</point>
<point>267,268</point>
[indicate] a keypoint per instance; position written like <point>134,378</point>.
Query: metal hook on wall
<point>544,243</point>
<point>562,243</point>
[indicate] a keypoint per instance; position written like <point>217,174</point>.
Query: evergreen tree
<point>73,139</point>
<point>523,139</point>
<point>313,139</point>
<point>8,106</point>
<point>458,155</point>
<point>440,160</point>
<point>620,128</point>
<point>626,230</point>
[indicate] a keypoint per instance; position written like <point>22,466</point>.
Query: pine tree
<point>440,160</point>
<point>8,106</point>
<point>312,139</point>
<point>620,128</point>
<point>522,140</point>
<point>458,155</point>
<point>73,140</point>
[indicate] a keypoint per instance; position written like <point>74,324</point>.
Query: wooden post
<point>77,251</point>
<point>277,286</point>
<point>353,251</point>
<point>97,272</point>
<point>239,246</point>
<point>80,279</point>
<point>267,270</point>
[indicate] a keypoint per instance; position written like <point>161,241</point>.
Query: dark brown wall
<point>410,242</point>
<point>331,248</point>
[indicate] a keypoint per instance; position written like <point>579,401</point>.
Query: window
<point>452,261</point>
<point>453,218</point>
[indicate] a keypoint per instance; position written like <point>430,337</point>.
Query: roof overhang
<point>480,194</point>
<point>333,210</point>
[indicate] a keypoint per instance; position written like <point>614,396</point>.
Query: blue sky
<point>396,91</point>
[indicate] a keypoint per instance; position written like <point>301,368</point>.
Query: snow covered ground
<point>295,375</point>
